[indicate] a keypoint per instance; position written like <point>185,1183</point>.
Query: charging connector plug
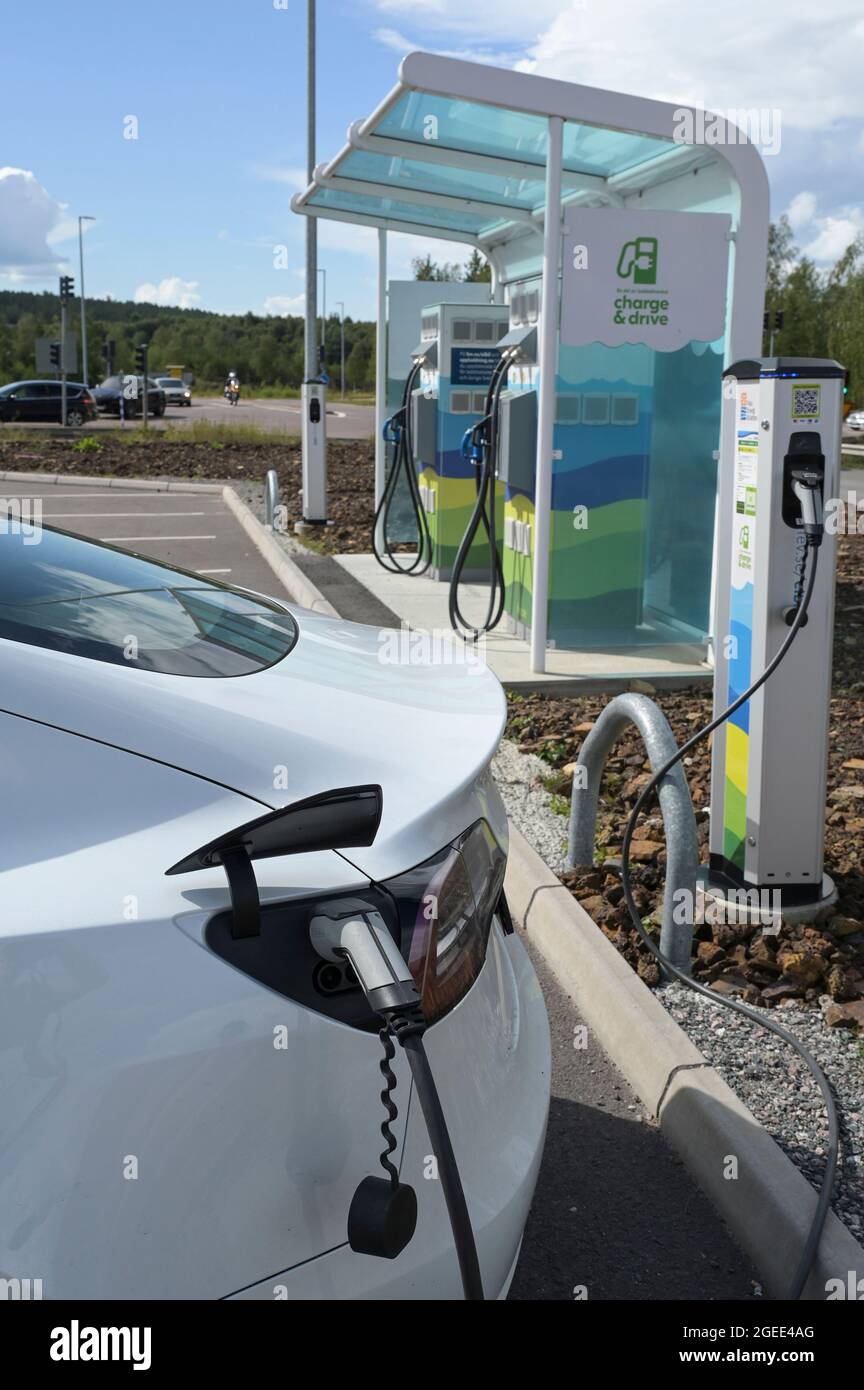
<point>364,940</point>
<point>809,494</point>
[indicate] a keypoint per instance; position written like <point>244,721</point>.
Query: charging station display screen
<point>472,366</point>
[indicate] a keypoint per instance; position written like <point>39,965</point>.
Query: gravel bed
<point>777,1085</point>
<point>769,1078</point>
<point>529,806</point>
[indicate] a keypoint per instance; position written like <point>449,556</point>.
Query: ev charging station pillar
<point>769,762</point>
<point>314,443</point>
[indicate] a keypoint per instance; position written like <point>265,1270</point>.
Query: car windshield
<point>76,596</point>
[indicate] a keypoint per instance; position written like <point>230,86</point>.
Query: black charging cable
<point>811,1245</point>
<point>409,1033</point>
<point>398,432</point>
<point>383,1213</point>
<point>481,445</point>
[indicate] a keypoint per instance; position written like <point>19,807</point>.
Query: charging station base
<point>716,902</point>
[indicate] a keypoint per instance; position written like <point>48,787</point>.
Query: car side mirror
<point>345,818</point>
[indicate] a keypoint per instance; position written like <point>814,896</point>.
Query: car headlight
<point>445,909</point>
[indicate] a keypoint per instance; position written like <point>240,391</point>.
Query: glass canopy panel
<point>608,152</point>
<point>456,124</point>
<point>409,174</point>
<point>402,210</point>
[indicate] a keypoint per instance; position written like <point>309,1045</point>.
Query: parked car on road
<point>36,401</point>
<point>855,420</point>
<point>144,1010</point>
<point>176,391</point>
<point>109,393</point>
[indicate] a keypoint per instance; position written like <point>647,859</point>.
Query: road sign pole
<point>146,389</point>
<point>63,418</point>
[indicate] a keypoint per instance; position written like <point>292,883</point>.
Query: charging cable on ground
<point>813,529</point>
<point>397,431</point>
<point>383,1212</point>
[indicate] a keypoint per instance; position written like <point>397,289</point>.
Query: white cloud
<point>827,234</point>
<point>699,53</point>
<point>170,291</point>
<point>272,173</point>
<point>802,210</point>
<point>714,54</point>
<point>29,217</point>
<point>834,234</point>
<point>392,38</point>
<point>285,304</point>
<point>512,20</point>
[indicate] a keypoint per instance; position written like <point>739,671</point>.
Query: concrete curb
<point>770,1205</point>
<point>290,576</point>
<point>79,480</point>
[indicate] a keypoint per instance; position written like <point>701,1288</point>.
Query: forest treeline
<point>823,316</point>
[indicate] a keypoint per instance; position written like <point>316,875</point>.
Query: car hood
<point>349,705</point>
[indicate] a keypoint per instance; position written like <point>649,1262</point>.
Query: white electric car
<point>189,1093</point>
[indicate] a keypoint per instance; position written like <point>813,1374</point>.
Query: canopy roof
<point>458,151</point>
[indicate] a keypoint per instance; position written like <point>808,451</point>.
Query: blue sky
<point>191,210</point>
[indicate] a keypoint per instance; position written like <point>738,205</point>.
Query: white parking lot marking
<point>117,540</point>
<point>88,516</point>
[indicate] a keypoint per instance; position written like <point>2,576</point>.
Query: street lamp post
<point>84,375</point>
<point>341,307</point>
<point>314,441</point>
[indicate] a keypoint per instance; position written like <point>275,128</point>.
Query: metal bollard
<point>679,820</point>
<point>271,498</point>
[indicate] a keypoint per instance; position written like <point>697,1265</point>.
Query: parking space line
<point>119,539</point>
<point>89,516</point>
<point>214,571</point>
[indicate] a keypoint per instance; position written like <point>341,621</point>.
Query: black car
<point>42,401</point>
<point>109,394</point>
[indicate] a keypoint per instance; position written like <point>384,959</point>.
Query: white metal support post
<point>381,367</point>
<point>548,363</point>
<point>314,392</point>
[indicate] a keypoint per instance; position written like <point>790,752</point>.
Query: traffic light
<point>779,319</point>
<point>141,359</point>
<point>67,287</point>
<point>766,322</point>
<point>846,382</point>
<point>54,354</point>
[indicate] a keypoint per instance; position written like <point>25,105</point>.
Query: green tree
<point>358,368</point>
<point>804,330</point>
<point>477,269</point>
<point>426,269</point>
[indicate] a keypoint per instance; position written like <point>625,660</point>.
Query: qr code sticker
<point>805,402</point>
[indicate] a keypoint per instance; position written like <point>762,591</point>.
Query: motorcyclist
<point>232,385</point>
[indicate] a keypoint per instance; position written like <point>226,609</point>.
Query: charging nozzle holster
<point>804,484</point>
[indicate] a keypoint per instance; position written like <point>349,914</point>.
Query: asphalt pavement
<point>615,1214</point>
<point>194,530</point>
<point>344,419</point>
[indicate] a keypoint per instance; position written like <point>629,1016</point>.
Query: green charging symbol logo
<point>639,259</point>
